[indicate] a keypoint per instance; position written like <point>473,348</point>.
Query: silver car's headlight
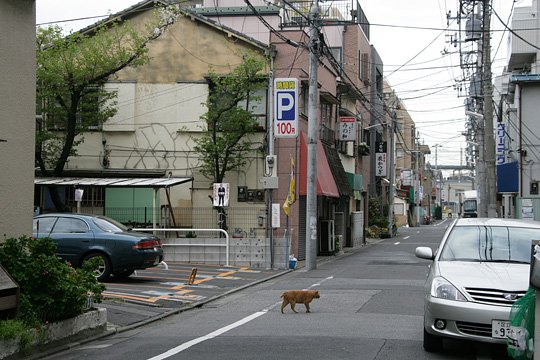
<point>442,289</point>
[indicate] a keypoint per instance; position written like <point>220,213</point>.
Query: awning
<point>326,185</point>
<point>112,182</point>
<point>336,167</point>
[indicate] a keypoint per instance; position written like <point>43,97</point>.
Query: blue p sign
<point>286,107</point>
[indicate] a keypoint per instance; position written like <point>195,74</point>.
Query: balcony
<point>345,12</point>
<point>327,135</point>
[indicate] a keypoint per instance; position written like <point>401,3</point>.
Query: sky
<point>411,36</point>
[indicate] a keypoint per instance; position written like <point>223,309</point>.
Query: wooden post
<point>192,275</point>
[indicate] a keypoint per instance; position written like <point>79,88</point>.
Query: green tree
<point>71,72</point>
<point>229,118</point>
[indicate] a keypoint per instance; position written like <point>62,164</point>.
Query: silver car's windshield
<point>489,243</point>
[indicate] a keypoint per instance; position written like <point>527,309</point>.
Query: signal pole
<point>311,205</point>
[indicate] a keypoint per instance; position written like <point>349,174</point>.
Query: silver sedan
<point>479,270</point>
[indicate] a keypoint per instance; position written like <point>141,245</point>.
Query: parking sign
<point>285,107</point>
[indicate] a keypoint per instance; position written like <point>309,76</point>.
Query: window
<point>363,66</point>
<point>326,113</point>
<point>109,225</point>
<point>257,105</point>
<point>92,196</point>
<point>89,115</point>
<point>88,109</point>
<point>43,225</point>
<point>336,53</point>
<point>70,226</point>
<point>489,243</point>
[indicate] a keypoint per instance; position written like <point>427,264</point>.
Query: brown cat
<point>298,296</point>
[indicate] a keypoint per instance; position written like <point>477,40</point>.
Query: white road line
<point>212,335</point>
<point>397,243</point>
<point>221,331</point>
<point>406,237</point>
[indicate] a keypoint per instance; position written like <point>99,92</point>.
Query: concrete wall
<point>251,252</point>
<point>17,116</point>
<point>530,127</point>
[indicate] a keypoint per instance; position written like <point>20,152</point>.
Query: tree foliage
<point>229,118</point>
<point>71,71</point>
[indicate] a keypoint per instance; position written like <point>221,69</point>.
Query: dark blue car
<point>80,237</point>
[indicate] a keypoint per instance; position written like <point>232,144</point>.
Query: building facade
<point>17,116</point>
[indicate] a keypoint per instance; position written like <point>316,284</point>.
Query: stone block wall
<point>253,252</point>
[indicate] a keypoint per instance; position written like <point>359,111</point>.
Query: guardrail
<point>226,245</point>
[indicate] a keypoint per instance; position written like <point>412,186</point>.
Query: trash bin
<point>292,262</point>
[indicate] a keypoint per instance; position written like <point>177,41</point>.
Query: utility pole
<point>438,181</point>
<point>313,120</point>
<point>391,187</point>
<point>416,183</point>
<point>270,127</point>
<point>489,146</point>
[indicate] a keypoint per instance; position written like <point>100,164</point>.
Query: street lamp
<point>474,114</point>
<point>372,126</point>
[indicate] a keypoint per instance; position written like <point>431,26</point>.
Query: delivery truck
<point>470,204</point>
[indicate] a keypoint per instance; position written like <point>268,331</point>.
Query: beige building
<point>160,109</point>
<point>17,116</point>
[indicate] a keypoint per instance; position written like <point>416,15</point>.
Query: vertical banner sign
<point>380,159</point>
<point>347,129</point>
<point>406,177</point>
<point>285,107</point>
<point>275,216</point>
<point>501,159</point>
<point>221,194</point>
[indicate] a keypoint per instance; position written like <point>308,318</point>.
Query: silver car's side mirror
<point>424,252</point>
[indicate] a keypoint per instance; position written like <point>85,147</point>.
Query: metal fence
<point>240,221</point>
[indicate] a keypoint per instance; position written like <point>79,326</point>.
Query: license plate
<point>500,328</point>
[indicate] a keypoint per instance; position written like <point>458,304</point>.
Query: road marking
<point>397,243</point>
<point>223,330</point>
<point>406,237</point>
<point>212,335</point>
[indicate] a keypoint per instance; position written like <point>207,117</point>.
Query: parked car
<point>80,237</point>
<point>479,270</point>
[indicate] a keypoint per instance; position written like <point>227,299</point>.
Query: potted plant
<point>363,149</point>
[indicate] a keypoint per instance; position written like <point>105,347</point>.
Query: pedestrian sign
<point>285,107</point>
<point>221,194</point>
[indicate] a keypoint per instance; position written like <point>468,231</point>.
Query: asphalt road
<point>370,308</point>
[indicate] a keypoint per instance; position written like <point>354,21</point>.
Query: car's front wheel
<point>432,343</point>
<point>103,268</point>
